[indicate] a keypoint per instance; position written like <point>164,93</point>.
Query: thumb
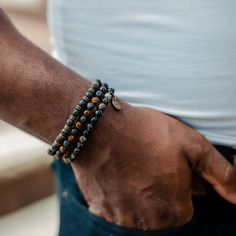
<point>217,171</point>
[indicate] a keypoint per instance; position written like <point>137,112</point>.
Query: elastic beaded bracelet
<point>78,126</point>
<point>56,148</point>
<point>89,127</point>
<point>91,107</point>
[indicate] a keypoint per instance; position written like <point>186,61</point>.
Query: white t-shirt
<point>178,57</point>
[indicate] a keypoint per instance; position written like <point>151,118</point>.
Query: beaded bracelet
<point>83,119</point>
<point>89,127</point>
<point>76,114</point>
<point>80,114</point>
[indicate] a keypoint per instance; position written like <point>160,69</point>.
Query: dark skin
<point>136,169</point>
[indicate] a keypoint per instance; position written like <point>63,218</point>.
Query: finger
<point>217,171</point>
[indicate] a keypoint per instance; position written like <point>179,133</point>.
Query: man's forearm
<point>36,92</point>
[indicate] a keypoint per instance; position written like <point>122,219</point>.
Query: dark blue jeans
<point>212,214</point>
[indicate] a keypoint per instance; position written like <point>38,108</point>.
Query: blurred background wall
<point>28,205</point>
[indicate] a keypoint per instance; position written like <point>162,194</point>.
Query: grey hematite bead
<point>108,95</point>
<point>82,139</point>
<point>64,132</point>
<point>83,119</point>
<point>94,119</point>
<point>90,106</point>
<point>89,94</point>
<point>102,106</point>
<point>99,82</point>
<point>69,122</point>
<point>95,85</point>
<point>82,103</point>
<point>98,113</point>
<point>75,112</point>
<point>66,143</point>
<point>74,131</point>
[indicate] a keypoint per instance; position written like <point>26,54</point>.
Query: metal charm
<point>115,104</point>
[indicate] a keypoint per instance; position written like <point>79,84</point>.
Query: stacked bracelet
<point>65,136</point>
<point>82,120</point>
<point>90,125</point>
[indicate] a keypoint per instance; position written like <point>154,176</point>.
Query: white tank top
<point>178,57</point>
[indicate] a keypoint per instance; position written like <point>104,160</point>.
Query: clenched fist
<point>136,170</point>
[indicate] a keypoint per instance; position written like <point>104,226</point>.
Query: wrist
<point>106,136</point>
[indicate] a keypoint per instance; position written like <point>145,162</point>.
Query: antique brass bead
<point>87,113</point>
<point>62,149</point>
<point>66,127</point>
<point>95,100</point>
<point>85,98</point>
<point>72,117</point>
<point>78,125</point>
<point>71,138</point>
<point>78,107</point>
<point>91,90</point>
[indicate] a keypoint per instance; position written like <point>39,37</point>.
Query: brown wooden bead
<point>71,138</point>
<point>95,100</point>
<point>78,125</point>
<point>62,149</point>
<point>87,113</point>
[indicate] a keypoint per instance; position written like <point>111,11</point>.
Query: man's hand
<point>136,170</point>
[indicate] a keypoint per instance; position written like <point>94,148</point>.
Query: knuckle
<point>198,149</point>
<point>229,176</point>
